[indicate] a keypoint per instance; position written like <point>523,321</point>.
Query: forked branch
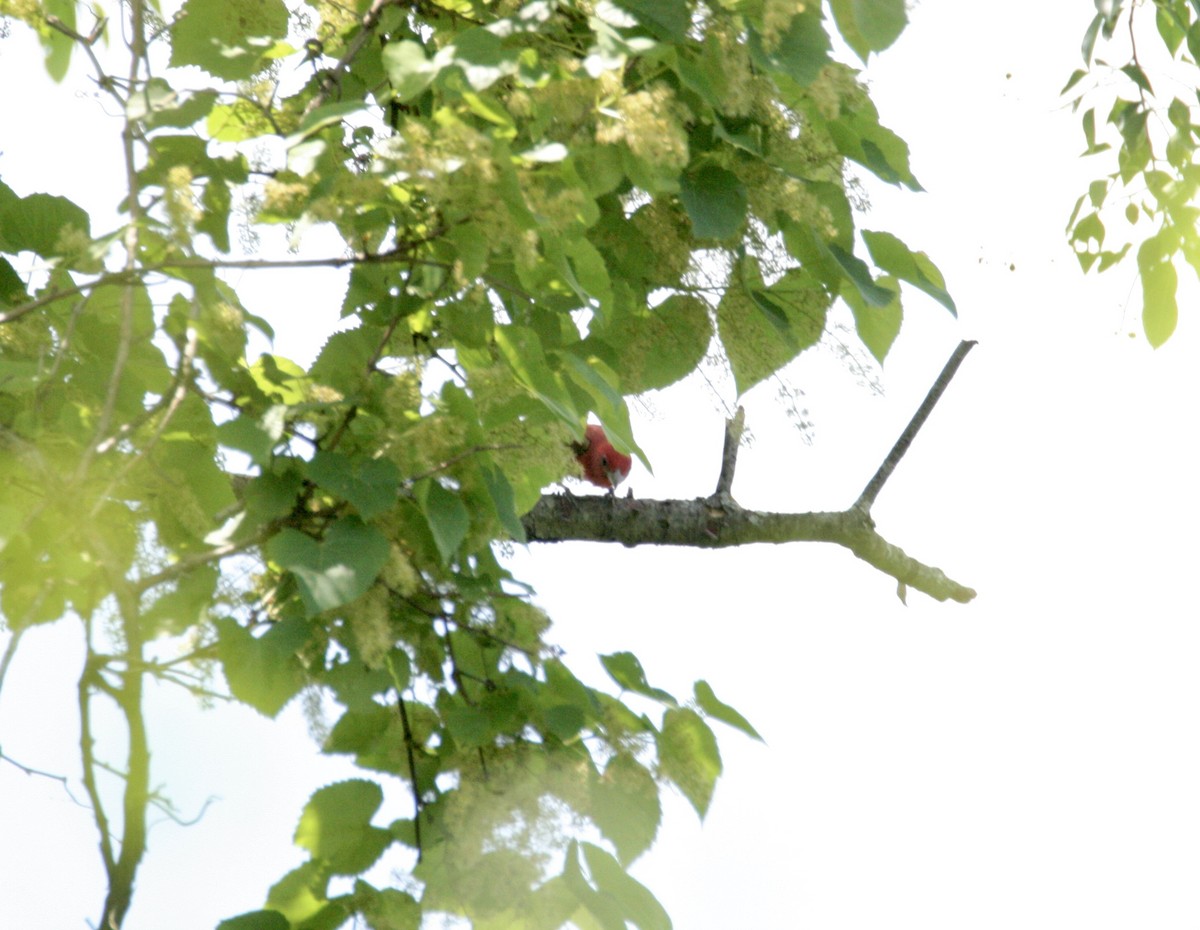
<point>719,521</point>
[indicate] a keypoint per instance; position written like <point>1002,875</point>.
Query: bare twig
<point>875,485</point>
<point>186,564</point>
<point>400,253</point>
<point>412,772</point>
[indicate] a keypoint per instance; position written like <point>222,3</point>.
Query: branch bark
<point>705,524</point>
<point>719,521</point>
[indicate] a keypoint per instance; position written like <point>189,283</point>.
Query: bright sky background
<point>1029,760</point>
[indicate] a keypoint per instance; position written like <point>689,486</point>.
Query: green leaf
<point>335,826</point>
<point>1138,76</point>
<point>262,671</point>
<point>186,607</point>
<point>58,45</point>
<point>229,39</point>
<point>856,272</point>
<point>37,223</point>
<point>522,350</point>
<point>715,201</point>
<point>603,910</point>
<point>894,257</point>
<point>625,806</point>
<point>1171,28</point>
<point>446,514</point>
<point>270,496</point>
<point>482,56</point>
<point>249,435</point>
<point>626,670</point>
<point>1160,308</point>
<point>387,908</point>
<point>636,902</point>
<point>688,756</point>
<point>256,920</point>
<point>1089,38</point>
<point>335,570</point>
<point>665,19</point>
<point>1076,76</point>
<point>859,136</point>
<point>504,501</point>
<point>877,327</point>
<point>370,485</point>
<point>409,70</point>
<point>757,341</point>
<point>281,379</point>
<point>566,704</point>
<point>869,25</point>
<point>301,895</point>
<point>660,345</point>
<point>800,52</point>
<point>708,702</point>
<point>12,288</point>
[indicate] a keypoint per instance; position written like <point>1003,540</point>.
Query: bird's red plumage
<point>602,464</point>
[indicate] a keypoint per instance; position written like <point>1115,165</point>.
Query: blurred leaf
<point>335,570</point>
<point>709,703</point>
<point>687,753</point>
<point>625,669</point>
<point>335,826</point>
<point>227,38</point>
<point>715,201</point>
<point>256,920</point>
<point>869,25</point>
<point>625,806</point>
<point>369,484</point>
<point>262,671</point>
<point>447,516</point>
<point>636,902</point>
<point>894,257</point>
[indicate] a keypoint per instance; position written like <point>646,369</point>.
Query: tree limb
<point>706,525</point>
<point>719,521</point>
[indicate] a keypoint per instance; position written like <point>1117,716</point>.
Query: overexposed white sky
<point>1029,760</point>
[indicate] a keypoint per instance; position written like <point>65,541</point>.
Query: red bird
<point>602,464</point>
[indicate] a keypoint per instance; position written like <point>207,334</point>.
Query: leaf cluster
<point>1149,195</point>
<point>546,206</point>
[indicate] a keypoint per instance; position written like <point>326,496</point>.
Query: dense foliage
<point>546,206</point>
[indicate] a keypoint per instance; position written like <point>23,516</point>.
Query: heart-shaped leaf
<point>335,570</point>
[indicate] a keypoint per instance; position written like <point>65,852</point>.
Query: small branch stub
<point>734,428</point>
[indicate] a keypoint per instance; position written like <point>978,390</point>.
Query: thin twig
<point>875,485</point>
<point>197,559</point>
<point>412,773</point>
<point>399,253</point>
<point>369,21</point>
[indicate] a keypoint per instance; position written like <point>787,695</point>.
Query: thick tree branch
<point>707,525</point>
<point>719,521</point>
